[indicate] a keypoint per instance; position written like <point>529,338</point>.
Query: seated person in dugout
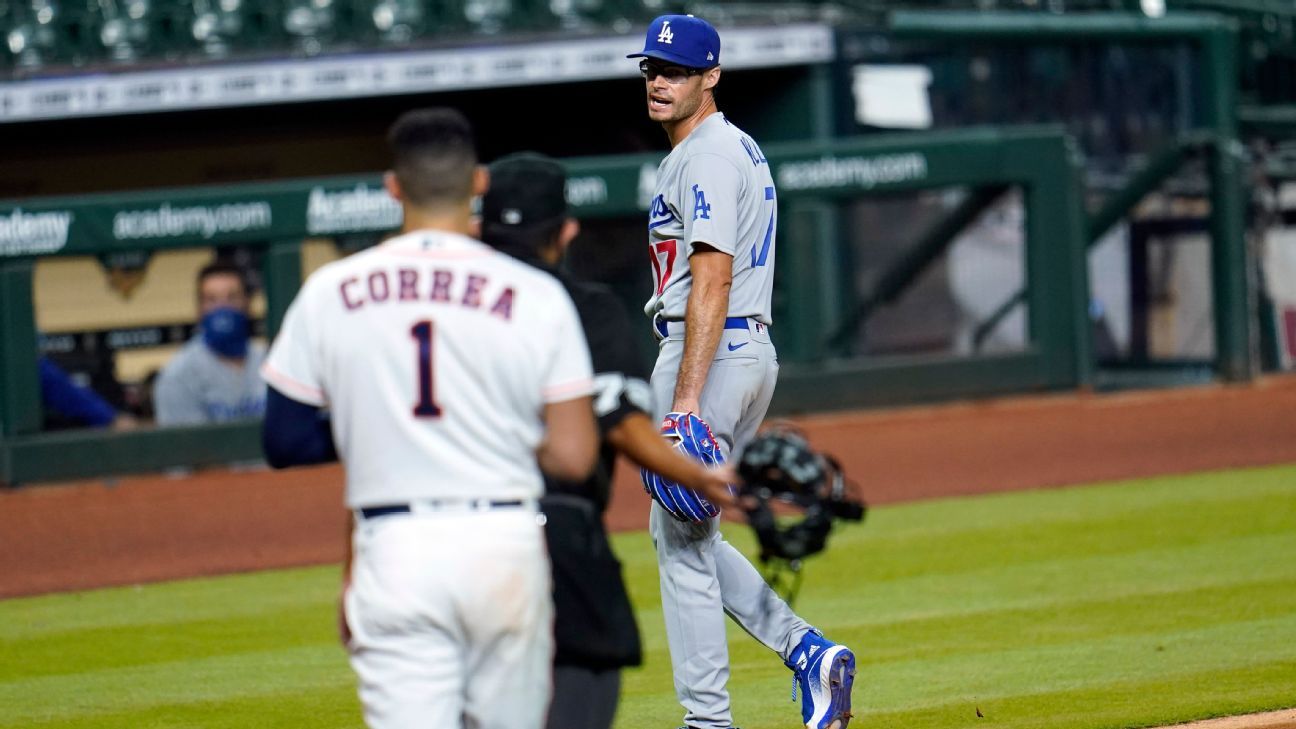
<point>214,378</point>
<point>68,403</point>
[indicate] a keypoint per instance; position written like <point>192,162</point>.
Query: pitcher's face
<point>674,92</point>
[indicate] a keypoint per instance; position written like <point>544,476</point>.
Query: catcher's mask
<point>779,465</point>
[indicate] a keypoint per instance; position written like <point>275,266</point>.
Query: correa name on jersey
<point>410,285</point>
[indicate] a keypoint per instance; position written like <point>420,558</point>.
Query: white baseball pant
<point>451,620</point>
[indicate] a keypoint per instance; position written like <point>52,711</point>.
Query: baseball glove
<point>691,436</point>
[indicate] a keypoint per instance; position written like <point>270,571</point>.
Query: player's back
<point>437,356</point>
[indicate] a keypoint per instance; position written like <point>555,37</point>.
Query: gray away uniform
<point>196,387</point>
<point>715,188</point>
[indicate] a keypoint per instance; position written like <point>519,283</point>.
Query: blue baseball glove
<point>692,437</point>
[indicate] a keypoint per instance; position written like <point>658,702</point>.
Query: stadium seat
<point>310,25</point>
<point>487,16</point>
<point>394,22</point>
<point>217,27</point>
<point>124,28</point>
<point>32,36</point>
<point>620,17</point>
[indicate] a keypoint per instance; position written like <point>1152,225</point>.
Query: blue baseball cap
<point>681,39</point>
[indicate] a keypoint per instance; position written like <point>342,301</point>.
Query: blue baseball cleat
<point>825,673</point>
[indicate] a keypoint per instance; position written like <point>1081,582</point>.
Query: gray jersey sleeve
<point>175,399</point>
<point>711,202</point>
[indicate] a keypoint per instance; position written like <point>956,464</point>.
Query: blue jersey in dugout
<point>714,188</point>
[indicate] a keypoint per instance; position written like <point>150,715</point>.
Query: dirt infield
<point>1269,720</point>
<point>77,536</point>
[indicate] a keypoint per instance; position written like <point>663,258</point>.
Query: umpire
<point>524,214</point>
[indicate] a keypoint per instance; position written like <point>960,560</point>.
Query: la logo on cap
<point>666,35</point>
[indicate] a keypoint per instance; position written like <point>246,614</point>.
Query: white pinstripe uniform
<point>436,355</point>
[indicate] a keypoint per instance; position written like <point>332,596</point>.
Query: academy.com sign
<point>362,208</point>
<point>23,233</point>
<point>205,221</point>
<point>862,172</point>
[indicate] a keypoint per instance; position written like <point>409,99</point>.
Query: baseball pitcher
<point>711,237</point>
<point>525,214</point>
<point>454,374</point>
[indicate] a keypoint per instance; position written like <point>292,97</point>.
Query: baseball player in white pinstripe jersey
<point>454,375</point>
<point>711,233</point>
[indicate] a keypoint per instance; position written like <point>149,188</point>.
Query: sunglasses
<point>673,74</point>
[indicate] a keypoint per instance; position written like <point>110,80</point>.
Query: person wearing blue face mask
<point>213,379</point>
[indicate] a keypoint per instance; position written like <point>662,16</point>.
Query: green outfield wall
<point>811,177</point>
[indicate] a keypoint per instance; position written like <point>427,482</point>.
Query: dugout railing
<point>1216,133</point>
<point>812,177</point>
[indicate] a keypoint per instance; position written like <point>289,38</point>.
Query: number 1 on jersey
<point>426,406</point>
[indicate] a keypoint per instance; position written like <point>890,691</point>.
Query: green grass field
<point>1118,605</point>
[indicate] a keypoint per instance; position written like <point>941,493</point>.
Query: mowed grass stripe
<point>885,553</point>
<point>1171,495</point>
<point>1227,646</point>
<point>137,688</point>
<point>250,594</point>
<point>1075,586</point>
<point>1118,532</point>
<point>1142,614</point>
<point>1042,584</point>
<point>1173,510</point>
<point>319,707</point>
<point>147,643</point>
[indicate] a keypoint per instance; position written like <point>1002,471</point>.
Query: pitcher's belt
<point>666,328</point>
